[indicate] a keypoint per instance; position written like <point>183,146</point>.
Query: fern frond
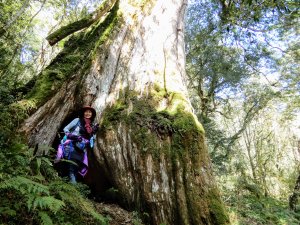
<point>45,218</point>
<point>24,186</point>
<point>38,178</point>
<point>72,197</point>
<point>47,161</point>
<point>30,201</point>
<point>7,211</point>
<point>48,202</point>
<point>37,194</point>
<point>103,220</point>
<point>38,163</point>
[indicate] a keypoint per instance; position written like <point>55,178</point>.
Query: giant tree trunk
<point>130,66</point>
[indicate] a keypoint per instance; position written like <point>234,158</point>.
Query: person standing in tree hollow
<point>79,138</point>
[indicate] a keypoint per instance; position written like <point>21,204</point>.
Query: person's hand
<point>71,136</point>
<point>74,137</point>
<point>78,138</point>
<point>95,128</point>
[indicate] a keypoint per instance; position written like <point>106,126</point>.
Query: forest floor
<point>117,215</point>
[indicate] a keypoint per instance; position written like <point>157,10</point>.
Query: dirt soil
<point>118,215</point>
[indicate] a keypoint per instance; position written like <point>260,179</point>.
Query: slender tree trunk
<point>248,147</point>
<point>150,146</point>
<point>294,198</point>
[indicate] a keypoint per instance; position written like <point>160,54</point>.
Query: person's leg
<point>73,169</point>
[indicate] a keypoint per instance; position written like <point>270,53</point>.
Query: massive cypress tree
<point>127,60</point>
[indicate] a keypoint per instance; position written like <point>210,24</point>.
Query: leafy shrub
<point>31,192</point>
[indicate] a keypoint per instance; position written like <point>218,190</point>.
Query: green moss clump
<point>148,124</point>
<point>158,91</point>
<point>112,115</point>
<point>216,208</point>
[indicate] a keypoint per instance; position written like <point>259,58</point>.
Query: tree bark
<point>150,146</point>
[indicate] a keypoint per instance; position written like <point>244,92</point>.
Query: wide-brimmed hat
<point>84,108</point>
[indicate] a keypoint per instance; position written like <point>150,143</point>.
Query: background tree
<point>235,51</point>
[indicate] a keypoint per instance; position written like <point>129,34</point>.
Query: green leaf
<point>46,160</point>
<point>38,163</point>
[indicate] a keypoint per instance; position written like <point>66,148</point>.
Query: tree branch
<point>65,31</point>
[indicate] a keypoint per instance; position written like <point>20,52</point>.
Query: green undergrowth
<point>32,193</point>
<point>75,58</point>
<point>11,116</point>
<point>247,209</point>
<point>247,204</point>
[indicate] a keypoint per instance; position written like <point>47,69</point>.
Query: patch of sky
<point>48,18</point>
<point>90,5</point>
<point>26,54</point>
<point>201,14</point>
